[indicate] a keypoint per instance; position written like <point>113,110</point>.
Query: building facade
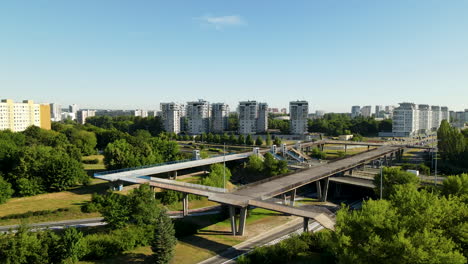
<point>248,114</point>
<point>19,116</point>
<point>198,117</point>
<point>55,112</point>
<point>81,115</point>
<point>410,119</point>
<point>262,121</point>
<point>298,111</point>
<point>219,117</point>
<point>366,111</point>
<point>171,115</point>
<point>355,111</point>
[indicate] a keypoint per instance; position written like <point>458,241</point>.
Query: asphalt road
<point>272,236</point>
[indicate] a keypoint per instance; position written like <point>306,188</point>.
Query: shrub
<point>91,161</point>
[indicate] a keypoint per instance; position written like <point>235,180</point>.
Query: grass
<point>99,166</point>
<point>208,242</point>
<point>71,199</point>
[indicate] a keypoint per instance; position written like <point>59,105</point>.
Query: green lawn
<point>72,200</point>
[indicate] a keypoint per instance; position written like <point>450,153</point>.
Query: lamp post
<point>224,166</point>
<point>381,178</point>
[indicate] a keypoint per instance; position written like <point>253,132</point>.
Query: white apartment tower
<point>298,111</point>
<point>379,111</point>
<point>444,114</point>
<point>366,111</point>
<point>171,115</point>
<point>55,112</point>
<point>81,115</point>
<point>198,117</point>
<point>436,116</point>
<point>253,117</point>
<point>262,121</point>
<point>425,118</point>
<point>405,120</point>
<point>219,117</point>
<point>355,111</point>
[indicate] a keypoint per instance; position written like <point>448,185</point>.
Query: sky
<point>136,54</point>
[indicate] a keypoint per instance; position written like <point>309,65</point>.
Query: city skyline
<point>332,54</point>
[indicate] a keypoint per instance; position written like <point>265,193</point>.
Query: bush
<point>91,161</point>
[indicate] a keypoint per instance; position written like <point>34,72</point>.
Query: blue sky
<point>136,54</point>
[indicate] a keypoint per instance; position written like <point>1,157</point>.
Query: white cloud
<point>220,22</point>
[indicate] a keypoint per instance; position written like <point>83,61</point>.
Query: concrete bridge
<point>257,193</point>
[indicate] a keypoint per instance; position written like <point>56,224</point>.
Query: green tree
<point>164,240</point>
<point>452,145</point>
<point>241,140</point>
<point>71,246</point>
<point>405,229</point>
<point>5,190</point>
<point>277,141</point>
<point>85,141</point>
<point>268,139</point>
<point>259,141</point>
<point>393,177</point>
<point>217,176</point>
<point>232,138</point>
<point>249,141</point>
<point>116,211</point>
<point>144,207</point>
<point>455,185</point>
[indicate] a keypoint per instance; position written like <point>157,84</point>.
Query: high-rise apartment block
<point>366,111</point>
<point>81,115</point>
<point>253,117</point>
<point>19,116</point>
<point>73,109</point>
<point>355,111</point>
<point>55,112</point>
<point>198,117</point>
<point>219,117</point>
<point>298,111</point>
<point>171,115</point>
<point>140,113</point>
<point>379,111</point>
<point>410,119</point>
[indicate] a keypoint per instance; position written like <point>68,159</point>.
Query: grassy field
<point>94,167</point>
<point>72,200</point>
<point>207,242</point>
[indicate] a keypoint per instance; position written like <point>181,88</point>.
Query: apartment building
<point>410,119</point>
<point>219,117</point>
<point>81,115</point>
<point>298,111</point>
<point>198,117</point>
<point>355,111</point>
<point>253,117</point>
<point>366,111</point>
<point>55,112</point>
<point>19,116</point>
<point>171,115</point>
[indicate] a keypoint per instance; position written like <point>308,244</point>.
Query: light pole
<point>435,166</point>
<point>381,178</point>
<point>224,166</point>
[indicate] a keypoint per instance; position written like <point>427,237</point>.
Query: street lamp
<point>381,178</point>
<point>224,166</point>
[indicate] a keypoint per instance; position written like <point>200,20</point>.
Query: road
<point>273,236</point>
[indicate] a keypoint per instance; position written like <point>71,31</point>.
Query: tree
<point>408,228</point>
<point>116,211</point>
<point>268,139</point>
<point>249,141</point>
<point>71,246</point>
<point>393,177</point>
<point>259,141</point>
<point>164,240</point>
<point>232,138</point>
<point>455,185</point>
<point>318,154</point>
<point>217,176</point>
<point>144,207</point>
<point>452,145</point>
<point>240,140</point>
<point>5,190</point>
<point>277,141</point>
<point>85,141</point>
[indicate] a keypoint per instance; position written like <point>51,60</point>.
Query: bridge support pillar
<point>185,204</point>
<point>232,217</point>
<point>174,175</point>
<point>293,197</point>
<point>306,224</point>
<point>322,146</point>
<point>325,189</point>
<point>242,220</point>
<point>345,148</point>
<point>283,197</point>
<point>368,147</point>
<point>319,190</point>
<point>385,160</point>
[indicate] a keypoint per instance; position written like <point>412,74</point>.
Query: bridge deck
<point>283,184</point>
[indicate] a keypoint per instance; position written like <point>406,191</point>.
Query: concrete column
<point>283,197</point>
<point>232,216</point>
<point>185,204</point>
<point>368,147</point>
<point>175,175</point>
<point>153,191</point>
<point>242,220</point>
<point>325,189</point>
<point>319,190</point>
<point>293,197</point>
<point>306,224</point>
<point>351,172</point>
<point>345,148</point>
<point>385,160</point>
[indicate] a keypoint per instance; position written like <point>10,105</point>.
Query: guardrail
<point>154,165</point>
<point>186,184</point>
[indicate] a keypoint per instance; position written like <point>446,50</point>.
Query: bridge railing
<point>152,165</point>
<point>186,184</point>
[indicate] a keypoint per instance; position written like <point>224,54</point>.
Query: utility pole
<point>435,169</point>
<point>224,166</point>
<point>381,179</point>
